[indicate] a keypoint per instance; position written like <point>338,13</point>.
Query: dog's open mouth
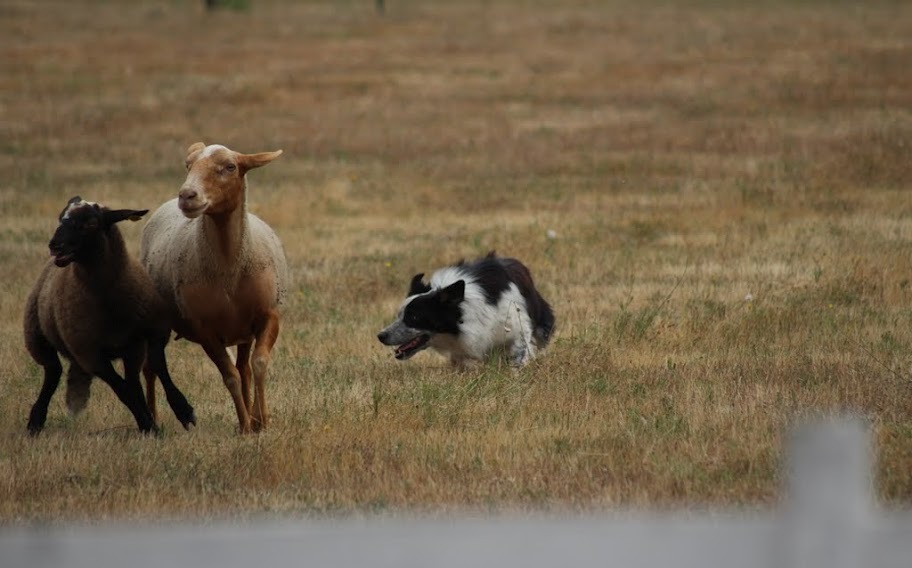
<point>409,348</point>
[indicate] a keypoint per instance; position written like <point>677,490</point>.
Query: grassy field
<point>728,184</point>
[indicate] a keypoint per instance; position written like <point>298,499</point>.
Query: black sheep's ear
<point>452,294</point>
<point>417,286</point>
<point>116,216</point>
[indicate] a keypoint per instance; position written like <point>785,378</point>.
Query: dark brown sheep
<point>93,303</point>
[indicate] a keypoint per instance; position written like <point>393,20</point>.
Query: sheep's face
<point>216,183</point>
<point>82,229</point>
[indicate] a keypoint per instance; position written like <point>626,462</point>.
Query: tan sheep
<point>222,272</point>
<point>94,303</point>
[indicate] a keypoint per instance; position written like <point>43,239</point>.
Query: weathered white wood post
<point>829,500</point>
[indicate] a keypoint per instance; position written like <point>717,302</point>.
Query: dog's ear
<point>417,286</point>
<point>452,294</point>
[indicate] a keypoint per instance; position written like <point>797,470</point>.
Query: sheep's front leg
<point>128,390</point>
<point>265,340</point>
<point>157,364</point>
<point>246,372</point>
<point>232,379</point>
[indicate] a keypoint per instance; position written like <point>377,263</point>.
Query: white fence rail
<point>829,520</point>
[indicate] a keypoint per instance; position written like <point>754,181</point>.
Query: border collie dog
<point>471,308</point>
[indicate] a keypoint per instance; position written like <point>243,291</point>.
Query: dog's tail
<point>543,318</point>
<point>539,310</point>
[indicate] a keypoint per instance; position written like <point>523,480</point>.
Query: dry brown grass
<point>686,156</point>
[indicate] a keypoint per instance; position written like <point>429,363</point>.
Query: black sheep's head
<point>83,226</point>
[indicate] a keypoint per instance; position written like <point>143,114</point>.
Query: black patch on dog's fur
<point>437,311</point>
<point>417,286</point>
<point>491,276</point>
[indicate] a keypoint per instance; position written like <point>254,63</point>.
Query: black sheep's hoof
<point>151,430</point>
<point>188,418</point>
<point>36,422</point>
<point>184,412</point>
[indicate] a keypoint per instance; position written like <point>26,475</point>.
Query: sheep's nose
<point>186,194</point>
<point>382,336</point>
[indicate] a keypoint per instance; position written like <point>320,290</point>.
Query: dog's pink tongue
<point>406,346</point>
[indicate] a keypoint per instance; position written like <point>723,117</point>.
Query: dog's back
<point>495,274</point>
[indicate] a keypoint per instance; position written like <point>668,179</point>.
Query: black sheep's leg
<point>158,365</point>
<point>52,371</point>
<point>129,391</point>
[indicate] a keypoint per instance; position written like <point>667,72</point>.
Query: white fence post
<point>829,511</point>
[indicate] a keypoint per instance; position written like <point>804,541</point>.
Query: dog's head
<point>425,313</point>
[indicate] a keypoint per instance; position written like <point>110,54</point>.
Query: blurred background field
<point>713,195</point>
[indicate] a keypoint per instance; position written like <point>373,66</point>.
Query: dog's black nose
<point>382,336</point>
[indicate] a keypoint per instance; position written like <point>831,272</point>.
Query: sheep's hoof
<point>190,420</point>
<point>152,430</point>
<point>186,416</point>
<point>182,409</point>
<point>36,422</point>
<point>257,424</point>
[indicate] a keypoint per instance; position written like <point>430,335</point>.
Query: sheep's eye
<point>187,165</point>
<point>230,167</point>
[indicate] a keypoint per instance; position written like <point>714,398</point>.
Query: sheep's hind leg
<point>265,340</point>
<point>45,355</point>
<point>129,391</point>
<point>246,372</point>
<point>232,379</point>
<point>52,371</point>
<point>157,364</point>
<point>149,375</point>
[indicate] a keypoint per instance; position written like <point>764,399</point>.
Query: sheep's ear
<point>194,148</point>
<point>417,286</point>
<point>116,216</point>
<point>250,161</point>
<point>454,293</point>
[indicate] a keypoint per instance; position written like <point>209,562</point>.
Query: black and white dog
<point>469,309</point>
